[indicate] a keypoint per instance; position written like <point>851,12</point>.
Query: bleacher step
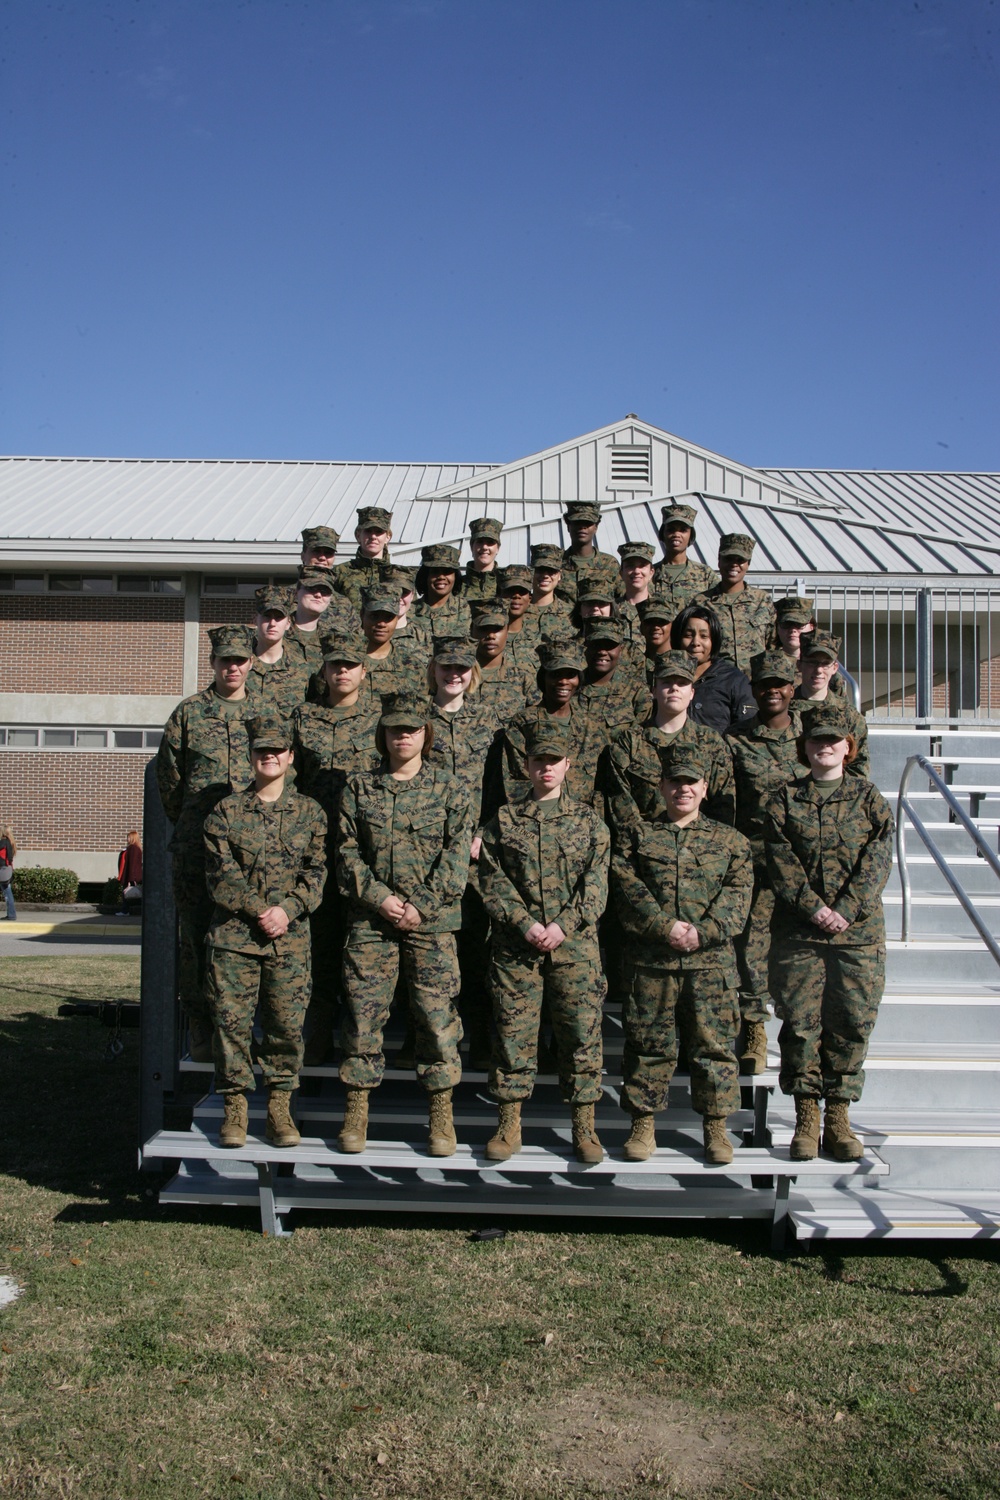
<point>852,1213</point>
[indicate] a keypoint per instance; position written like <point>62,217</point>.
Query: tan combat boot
<point>718,1146</point>
<point>441,1139</point>
<point>805,1141</point>
<point>280,1129</point>
<point>354,1131</point>
<point>586,1147</point>
<point>200,1035</point>
<point>839,1140</point>
<point>507,1141</point>
<point>753,1058</point>
<point>641,1142</point>
<point>234,1124</point>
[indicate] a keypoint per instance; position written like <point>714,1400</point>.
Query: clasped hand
<point>684,937</point>
<point>545,939</point>
<point>828,920</point>
<point>273,922</point>
<point>403,916</point>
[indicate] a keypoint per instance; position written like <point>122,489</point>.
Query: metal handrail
<point>853,687</point>
<point>904,806</point>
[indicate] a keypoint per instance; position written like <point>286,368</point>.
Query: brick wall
<point>98,644</point>
<point>65,799</point>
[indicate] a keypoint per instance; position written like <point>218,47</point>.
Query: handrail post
<point>157,987</point>
<point>925,657</point>
<point>904,874</point>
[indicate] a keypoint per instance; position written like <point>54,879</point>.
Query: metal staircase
<point>930,1117</point>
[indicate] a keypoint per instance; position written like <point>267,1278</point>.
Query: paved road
<point>77,936</point>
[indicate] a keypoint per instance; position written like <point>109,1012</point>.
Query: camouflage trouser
<point>828,997</point>
<point>752,947</point>
<point>236,983</point>
<point>372,965</point>
<point>663,1005</point>
<point>574,995</point>
<point>194,915</point>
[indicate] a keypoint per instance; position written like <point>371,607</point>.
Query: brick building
<point>112,570</point>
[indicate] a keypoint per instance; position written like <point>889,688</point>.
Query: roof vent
<point>631,468</point>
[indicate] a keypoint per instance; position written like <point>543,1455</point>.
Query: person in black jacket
<point>8,849</point>
<point>722,696</point>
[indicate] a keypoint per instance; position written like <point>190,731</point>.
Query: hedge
<point>45,885</point>
<point>112,893</point>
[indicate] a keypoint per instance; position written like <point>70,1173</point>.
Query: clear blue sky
<point>468,229</point>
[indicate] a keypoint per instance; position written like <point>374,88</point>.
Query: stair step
<point>850,1213</point>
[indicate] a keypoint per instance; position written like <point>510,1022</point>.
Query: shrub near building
<point>45,885</point>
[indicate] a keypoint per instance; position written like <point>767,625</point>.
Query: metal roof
<point>238,513</point>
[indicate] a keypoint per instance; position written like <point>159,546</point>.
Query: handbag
<point>6,874</point>
<point>132,893</point>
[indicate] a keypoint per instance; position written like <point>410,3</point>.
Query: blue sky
<point>469,229</point>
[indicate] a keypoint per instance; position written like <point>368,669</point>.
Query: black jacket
<point>722,698</point>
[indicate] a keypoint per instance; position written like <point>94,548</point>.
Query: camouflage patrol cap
<point>485,526</point>
<point>315,578</point>
<point>583,510</point>
<point>684,763</point>
<point>736,544</point>
<point>656,609</point>
<point>407,710</point>
<point>320,536</point>
<point>603,630</point>
<point>591,588</point>
<point>826,721</point>
<point>454,651</point>
<point>395,575</point>
<point>793,610</point>
<point>374,515</point>
<point>773,664</point>
<point>560,656</point>
<point>344,648</point>
<point>546,555</point>
<point>821,643</point>
<point>546,738</point>
<point>269,732</point>
<point>642,551</point>
<point>380,601</point>
<point>675,664</point>
<point>488,617</point>
<point>274,599</point>
<point>681,515</point>
<point>517,576</point>
<point>439,555</point>
<point>233,640</point>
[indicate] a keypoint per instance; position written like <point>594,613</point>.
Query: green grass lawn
<point>178,1353</point>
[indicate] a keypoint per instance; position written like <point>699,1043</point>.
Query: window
<point>229,586</point>
<point>58,739</point>
<point>62,737</point>
<point>81,583</point>
<point>631,468</point>
<point>22,738</point>
<point>22,583</point>
<point>90,583</point>
<point>128,739</point>
<point>91,739</point>
<point>143,583</point>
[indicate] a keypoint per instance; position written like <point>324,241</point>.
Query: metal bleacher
<point>929,1119</point>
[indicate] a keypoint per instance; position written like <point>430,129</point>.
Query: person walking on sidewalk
<point>130,872</point>
<point>8,848</point>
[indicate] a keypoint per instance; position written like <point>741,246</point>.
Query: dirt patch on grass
<point>613,1443</point>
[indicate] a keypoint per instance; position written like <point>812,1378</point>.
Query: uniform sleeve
<point>500,895</point>
<point>619,803</point>
<point>640,912</point>
<point>861,765</point>
<point>355,879</point>
<point>590,895</point>
<point>874,864</point>
<point>310,877</point>
<point>515,778</point>
<point>449,874</point>
<point>720,803</point>
<point>642,703</point>
<point>726,915</point>
<point>786,872</point>
<point>170,765</point>
<point>226,882</point>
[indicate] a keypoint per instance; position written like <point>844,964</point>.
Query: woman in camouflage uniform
<point>439,584</point>
<point>403,845</point>
<point>828,839</point>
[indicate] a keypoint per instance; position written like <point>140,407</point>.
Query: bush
<point>112,893</point>
<point>45,885</point>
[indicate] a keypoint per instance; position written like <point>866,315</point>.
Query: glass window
<point>81,583</point>
<point>22,583</point>
<point>3,736</point>
<point>22,738</point>
<point>128,739</point>
<point>153,738</point>
<point>57,739</point>
<point>173,586</point>
<point>216,585</point>
<point>91,739</point>
<point>134,583</point>
<point>229,587</point>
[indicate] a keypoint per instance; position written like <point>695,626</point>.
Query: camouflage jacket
<point>618,703</point>
<point>549,868</point>
<point>746,620</point>
<point>553,622</point>
<point>601,566</point>
<point>764,760</point>
<point>260,854</point>
<point>204,753</point>
<point>632,771</point>
<point>337,619</point>
<point>587,740</point>
<point>278,687</point>
<point>415,634</point>
<point>509,686</point>
<point>479,585</point>
<point>702,874</point>
<point>451,618</point>
<point>332,744</point>
<point>464,747</point>
<point>409,839</point>
<point>352,578</point>
<point>835,853</point>
<point>678,583</point>
<point>861,764</point>
<point>403,670</point>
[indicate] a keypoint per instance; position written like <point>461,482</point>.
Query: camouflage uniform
<point>599,565</point>
<point>410,839</point>
<point>339,616</point>
<point>834,851</point>
<point>546,862</point>
<point>677,583</point>
<point>481,586</point>
<point>508,684</point>
<point>827,647</point>
<point>633,770</point>
<point>662,874</point>
<point>278,687</point>
<point>586,741</point>
<point>355,578</point>
<point>261,854</point>
<point>203,755</point>
<point>746,620</point>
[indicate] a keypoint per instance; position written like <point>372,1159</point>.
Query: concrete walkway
<point>70,933</point>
